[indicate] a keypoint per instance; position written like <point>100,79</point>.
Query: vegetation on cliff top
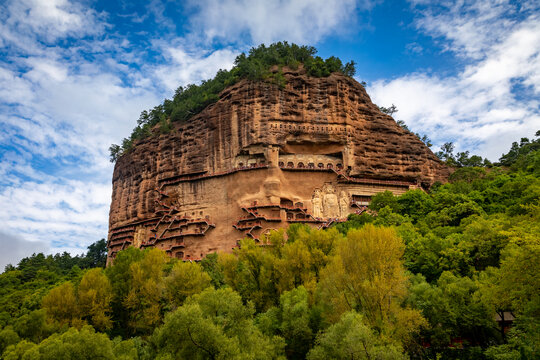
<point>421,276</point>
<point>258,65</point>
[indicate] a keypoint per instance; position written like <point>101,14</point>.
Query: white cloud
<point>44,69</point>
<point>63,107</point>
<point>266,21</point>
<point>68,122</point>
<point>14,248</point>
<point>49,19</point>
<point>12,87</point>
<point>479,107</point>
<point>467,26</point>
<point>74,212</point>
<point>185,67</point>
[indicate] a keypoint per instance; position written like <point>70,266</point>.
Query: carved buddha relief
<point>330,202</point>
<point>139,237</point>
<point>317,204</point>
<point>344,204</point>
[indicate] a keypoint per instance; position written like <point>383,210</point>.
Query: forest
<point>262,63</point>
<point>453,273</point>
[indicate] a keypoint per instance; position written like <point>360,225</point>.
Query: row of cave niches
<point>292,165</point>
<point>310,166</point>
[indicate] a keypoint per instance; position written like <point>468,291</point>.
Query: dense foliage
<point>421,276</point>
<point>391,110</point>
<point>263,63</point>
<point>23,286</point>
<point>461,159</point>
<point>523,155</point>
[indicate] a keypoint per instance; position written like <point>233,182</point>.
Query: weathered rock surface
<point>261,158</point>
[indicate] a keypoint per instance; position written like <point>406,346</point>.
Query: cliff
<point>311,152</point>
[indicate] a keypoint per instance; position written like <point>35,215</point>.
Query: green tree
<point>94,296</point>
<point>352,338</point>
<point>61,304</point>
<point>430,255</point>
<point>33,326</point>
<point>415,203</point>
<point>467,174</point>
<point>145,291</point>
<point>186,279</point>
<point>367,275</point>
<point>19,350</point>
<point>391,110</point>
<point>96,256</point>
<point>294,267</point>
<point>210,264</point>
<point>8,336</point>
<point>520,275</point>
<point>120,276</point>
<point>250,272</point>
<point>354,221</point>
<point>387,217</point>
<point>518,153</point>
<point>114,151</point>
<point>72,344</point>
<point>450,208</point>
<point>425,139</point>
<point>454,309</point>
<point>295,326</point>
<point>485,239</point>
<point>463,159</point>
<point>383,199</point>
<point>214,325</point>
<point>447,153</point>
<point>517,285</point>
<point>350,69</point>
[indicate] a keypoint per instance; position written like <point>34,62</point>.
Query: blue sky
<point>75,75</point>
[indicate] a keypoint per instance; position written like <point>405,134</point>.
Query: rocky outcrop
<point>317,141</point>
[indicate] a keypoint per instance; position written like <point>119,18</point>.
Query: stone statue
<point>139,236</point>
<point>343,204</point>
<point>330,203</point>
<point>317,204</point>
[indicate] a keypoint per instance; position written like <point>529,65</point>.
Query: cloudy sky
<point>75,75</point>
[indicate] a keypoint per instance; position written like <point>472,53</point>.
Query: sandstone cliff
<point>263,144</point>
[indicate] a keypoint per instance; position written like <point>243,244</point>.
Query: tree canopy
<point>452,273</point>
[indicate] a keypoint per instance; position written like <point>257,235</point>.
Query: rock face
<point>261,158</point>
